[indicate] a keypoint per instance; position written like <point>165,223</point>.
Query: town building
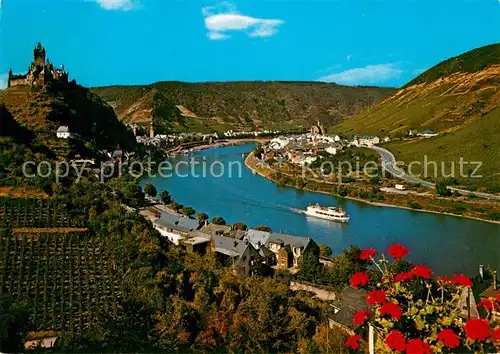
<point>259,239</point>
<point>243,257</point>
<point>63,132</point>
<point>317,129</point>
<point>40,344</point>
<point>175,228</point>
<point>279,143</point>
<point>428,134</point>
<point>216,230</point>
<point>196,241</point>
<point>346,305</point>
<point>40,73</point>
<point>368,140</point>
<point>331,150</point>
<point>288,250</point>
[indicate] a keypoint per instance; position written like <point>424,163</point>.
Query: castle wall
<point>17,82</point>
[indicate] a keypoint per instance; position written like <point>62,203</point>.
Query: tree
<point>442,189</point>
<point>258,152</point>
<point>263,228</point>
<point>325,251</point>
<point>217,220</point>
<point>188,211</point>
<point>356,264</point>
<point>310,268</point>
<point>202,217</point>
<point>239,226</point>
<point>176,206</point>
<point>165,197</point>
<point>13,325</point>
<point>150,190</point>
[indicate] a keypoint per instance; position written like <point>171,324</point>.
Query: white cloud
<point>115,4</point>
<point>217,36</point>
<point>348,58</point>
<point>223,18</point>
<point>368,75</point>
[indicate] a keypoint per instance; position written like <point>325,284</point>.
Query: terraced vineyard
<point>35,213</point>
<point>65,278</point>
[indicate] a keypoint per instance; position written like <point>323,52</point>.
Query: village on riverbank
<point>352,168</point>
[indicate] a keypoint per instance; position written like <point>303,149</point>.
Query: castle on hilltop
<point>40,73</point>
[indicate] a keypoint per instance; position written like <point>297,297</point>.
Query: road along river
<point>446,243</point>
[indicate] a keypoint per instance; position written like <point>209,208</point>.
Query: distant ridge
<point>219,106</point>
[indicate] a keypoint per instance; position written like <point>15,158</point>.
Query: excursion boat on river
<point>328,213</point>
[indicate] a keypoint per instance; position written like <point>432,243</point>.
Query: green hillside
<point>472,61</point>
<point>37,112</point>
<point>459,100</point>
<point>238,105</point>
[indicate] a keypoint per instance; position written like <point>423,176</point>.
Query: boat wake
<point>296,210</point>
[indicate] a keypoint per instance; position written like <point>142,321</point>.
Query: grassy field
<point>216,106</point>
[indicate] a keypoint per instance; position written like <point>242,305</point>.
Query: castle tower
<point>39,55</point>
<point>151,131</point>
<point>9,78</point>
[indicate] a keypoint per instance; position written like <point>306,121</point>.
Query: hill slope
<point>459,99</point>
<point>41,111</point>
<point>238,105</point>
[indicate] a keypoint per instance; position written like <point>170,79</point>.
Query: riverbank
<point>270,174</point>
<point>218,144</point>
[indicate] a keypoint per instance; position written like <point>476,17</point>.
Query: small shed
<point>63,132</point>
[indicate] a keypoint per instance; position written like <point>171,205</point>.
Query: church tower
<point>151,131</point>
<point>39,55</point>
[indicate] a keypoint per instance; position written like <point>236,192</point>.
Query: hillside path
<point>321,294</point>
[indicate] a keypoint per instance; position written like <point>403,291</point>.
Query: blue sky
<point>111,42</point>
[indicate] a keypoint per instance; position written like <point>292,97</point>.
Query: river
<point>446,243</point>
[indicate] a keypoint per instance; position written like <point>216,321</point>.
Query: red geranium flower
<point>444,279</point>
<point>368,253</point>
<point>462,279</point>
<point>403,277</point>
<point>398,251</point>
<point>477,329</point>
<point>417,346</point>
<point>359,278</point>
<point>396,341</point>
<point>353,342</point>
<point>360,317</point>
<point>376,297</point>
<point>391,309</point>
<point>449,338</point>
<point>486,304</point>
<point>496,335</point>
<point>422,271</point>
